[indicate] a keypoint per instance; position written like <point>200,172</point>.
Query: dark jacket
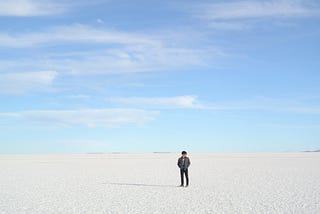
<point>185,164</point>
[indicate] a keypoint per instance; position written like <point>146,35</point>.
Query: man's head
<point>184,153</point>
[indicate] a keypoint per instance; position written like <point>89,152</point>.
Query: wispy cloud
<point>118,52</point>
<point>127,59</point>
<point>238,15</point>
<point>256,9</point>
<point>113,117</point>
<point>16,83</point>
<point>291,126</point>
<point>268,104</point>
<point>226,25</point>
<point>75,34</point>
<point>100,21</point>
<point>79,96</point>
<point>161,102</point>
<point>30,7</point>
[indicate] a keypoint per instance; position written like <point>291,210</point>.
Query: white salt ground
<point>148,183</point>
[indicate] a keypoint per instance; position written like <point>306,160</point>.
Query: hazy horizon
<point>178,153</point>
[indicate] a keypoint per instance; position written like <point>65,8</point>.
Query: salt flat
<point>148,183</point>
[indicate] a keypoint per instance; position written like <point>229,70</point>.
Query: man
<point>183,164</point>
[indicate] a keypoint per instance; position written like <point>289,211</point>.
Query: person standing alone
<point>183,164</point>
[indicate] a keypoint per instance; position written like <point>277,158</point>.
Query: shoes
<point>181,185</point>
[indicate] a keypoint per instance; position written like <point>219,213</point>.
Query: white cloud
<point>79,96</point>
<point>100,21</point>
<point>9,114</point>
<point>76,34</point>
<point>269,104</point>
<point>256,9</point>
<point>30,8</point>
<point>112,61</point>
<point>118,52</point>
<point>241,15</point>
<point>224,25</point>
<point>291,126</point>
<point>12,83</point>
<point>113,117</point>
<point>128,59</point>
<point>162,102</point>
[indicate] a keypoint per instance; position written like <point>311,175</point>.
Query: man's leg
<point>187,176</point>
<point>181,175</point>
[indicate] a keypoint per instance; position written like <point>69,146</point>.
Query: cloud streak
<point>162,102</point>
<point>17,83</point>
<point>73,34</point>
<point>118,52</point>
<point>127,59</point>
<point>255,9</point>
<point>240,15</point>
<point>25,8</point>
<point>113,117</point>
<point>268,104</point>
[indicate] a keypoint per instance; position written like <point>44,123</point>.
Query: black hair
<point>183,152</point>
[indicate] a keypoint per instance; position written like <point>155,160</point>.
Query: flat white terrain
<point>148,183</point>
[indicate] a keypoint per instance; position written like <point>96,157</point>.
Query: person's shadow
<point>142,185</point>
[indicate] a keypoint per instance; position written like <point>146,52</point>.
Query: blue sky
<point>144,76</point>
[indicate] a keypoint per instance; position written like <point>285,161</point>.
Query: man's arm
<point>179,163</point>
<point>189,162</point>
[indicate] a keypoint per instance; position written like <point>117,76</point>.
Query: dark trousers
<point>182,173</point>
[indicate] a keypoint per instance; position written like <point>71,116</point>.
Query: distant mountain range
<point>313,151</point>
